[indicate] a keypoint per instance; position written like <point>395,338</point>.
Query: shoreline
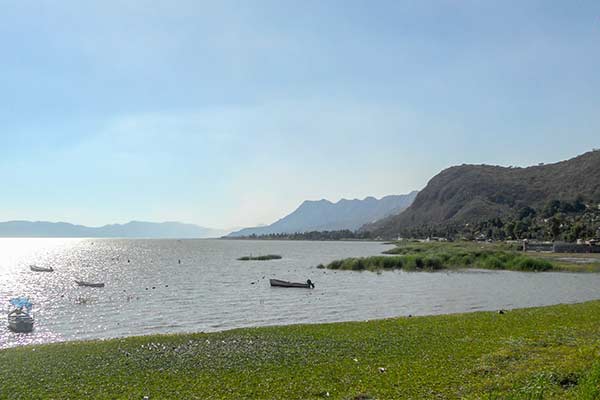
<point>467,355</point>
<point>384,241</point>
<point>310,324</point>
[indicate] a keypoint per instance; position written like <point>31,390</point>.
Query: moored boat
<point>20,319</point>
<point>280,283</point>
<point>90,284</point>
<point>35,268</point>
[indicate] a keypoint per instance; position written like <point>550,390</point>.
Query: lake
<point>147,290</point>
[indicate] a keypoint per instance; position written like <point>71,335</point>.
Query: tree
<point>526,212</point>
<point>579,204</point>
<point>551,208</point>
<point>577,231</point>
<point>554,223</point>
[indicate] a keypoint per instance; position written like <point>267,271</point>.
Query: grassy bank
<point>261,258</point>
<point>435,256</point>
<point>541,353</point>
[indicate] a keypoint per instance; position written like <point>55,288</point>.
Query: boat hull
<point>280,283</point>
<point>20,324</point>
<point>40,269</point>
<point>89,284</point>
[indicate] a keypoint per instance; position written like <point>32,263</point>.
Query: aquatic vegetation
<point>434,263</point>
<point>435,256</point>
<point>260,258</point>
<point>538,353</point>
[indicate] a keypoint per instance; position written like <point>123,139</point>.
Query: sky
<point>231,113</point>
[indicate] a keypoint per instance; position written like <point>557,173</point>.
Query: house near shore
<point>547,247</point>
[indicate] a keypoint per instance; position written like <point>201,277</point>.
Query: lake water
<point>147,290</point>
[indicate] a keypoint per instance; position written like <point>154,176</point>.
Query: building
<point>589,247</point>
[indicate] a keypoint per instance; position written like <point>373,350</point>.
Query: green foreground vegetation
<point>538,353</point>
<point>261,258</point>
<point>415,256</point>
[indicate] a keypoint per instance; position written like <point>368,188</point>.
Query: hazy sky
<point>232,113</point>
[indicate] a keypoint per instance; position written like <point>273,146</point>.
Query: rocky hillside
<point>324,215</point>
<point>473,193</point>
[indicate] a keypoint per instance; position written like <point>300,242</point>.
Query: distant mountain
<point>133,229</point>
<point>471,193</point>
<point>324,215</point>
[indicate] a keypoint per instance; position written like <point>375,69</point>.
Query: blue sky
<point>232,113</point>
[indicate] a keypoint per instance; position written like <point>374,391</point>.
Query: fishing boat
<point>19,318</point>
<point>35,268</point>
<point>280,283</point>
<point>90,284</point>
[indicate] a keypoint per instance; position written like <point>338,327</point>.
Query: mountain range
<point>471,193</point>
<point>455,197</point>
<point>323,215</point>
<point>133,229</point>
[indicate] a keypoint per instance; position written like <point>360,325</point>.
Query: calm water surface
<point>147,290</point>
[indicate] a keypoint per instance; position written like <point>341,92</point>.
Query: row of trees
<point>315,235</point>
<point>555,220</point>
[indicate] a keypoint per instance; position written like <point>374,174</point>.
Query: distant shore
<point>305,240</point>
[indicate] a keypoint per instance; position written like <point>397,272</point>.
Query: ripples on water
<point>210,290</point>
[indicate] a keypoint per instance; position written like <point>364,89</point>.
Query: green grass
<point>261,258</point>
<point>591,261</point>
<point>538,353</point>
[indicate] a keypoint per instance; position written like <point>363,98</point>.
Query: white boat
<point>35,268</point>
<point>20,319</point>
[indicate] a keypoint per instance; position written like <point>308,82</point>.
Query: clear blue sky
<point>232,113</point>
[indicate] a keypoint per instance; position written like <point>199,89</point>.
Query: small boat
<point>280,283</point>
<point>35,268</point>
<point>90,284</point>
<point>20,319</point>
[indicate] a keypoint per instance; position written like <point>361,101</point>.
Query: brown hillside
<point>472,193</point>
